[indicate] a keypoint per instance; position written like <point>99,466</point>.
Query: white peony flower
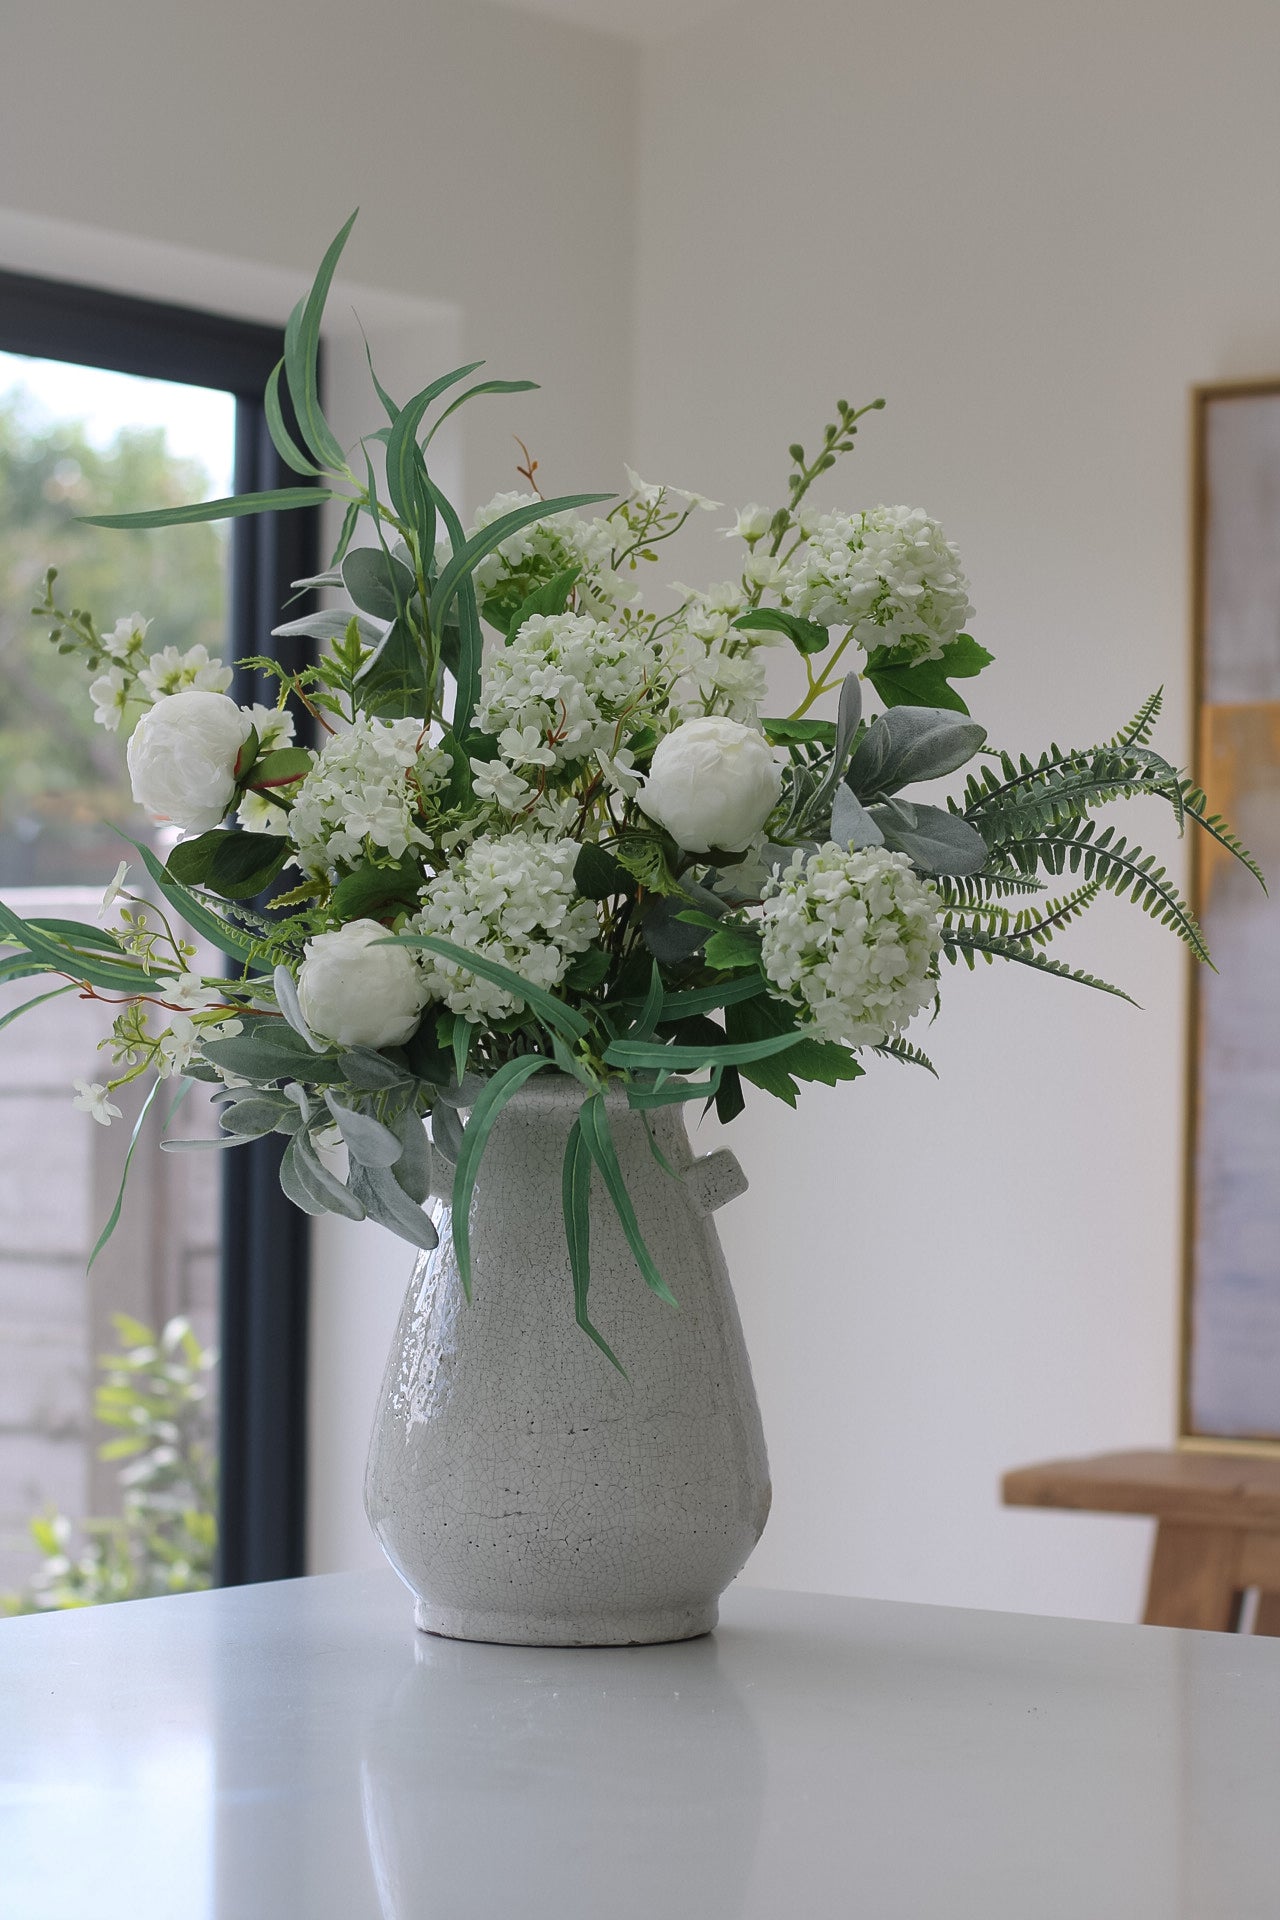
<point>169,672</point>
<point>891,574</point>
<point>712,783</point>
<point>91,1098</point>
<point>182,758</point>
<point>363,793</point>
<point>359,994</point>
<point>510,898</point>
<point>852,939</point>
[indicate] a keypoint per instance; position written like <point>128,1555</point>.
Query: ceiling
<point>641,21</point>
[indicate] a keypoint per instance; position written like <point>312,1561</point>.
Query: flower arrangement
<point>547,827</point>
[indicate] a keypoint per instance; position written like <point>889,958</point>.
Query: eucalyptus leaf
<point>377,582</point>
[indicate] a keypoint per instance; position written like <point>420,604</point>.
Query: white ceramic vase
<point>521,1487</point>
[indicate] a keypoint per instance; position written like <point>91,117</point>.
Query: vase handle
<point>715,1179</point>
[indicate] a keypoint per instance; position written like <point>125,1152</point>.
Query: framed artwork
<point>1231,1304</point>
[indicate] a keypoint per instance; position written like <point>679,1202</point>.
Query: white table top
<point>299,1752</point>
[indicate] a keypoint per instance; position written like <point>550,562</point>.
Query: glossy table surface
<point>298,1751</point>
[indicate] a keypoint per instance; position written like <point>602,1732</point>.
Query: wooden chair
<point>1218,1533</point>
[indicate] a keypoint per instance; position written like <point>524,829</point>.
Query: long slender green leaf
<point>674,1092</point>
<point>78,933</point>
<point>470,638</point>
<point>465,558</point>
<point>475,1136</point>
<point>651,1011</point>
<point>282,500</point>
<point>594,1122</point>
<point>39,999</point>
<point>21,967</point>
<point>281,438</point>
<point>64,959</point>
<point>473,393</point>
<point>113,1219</point>
<point>404,456</point>
<point>302,354</point>
<point>576,1195</point>
<point>746,986</point>
<point>201,919</point>
<point>674,1058</point>
<point>554,1013</point>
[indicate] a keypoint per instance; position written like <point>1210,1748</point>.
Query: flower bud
<point>712,783</point>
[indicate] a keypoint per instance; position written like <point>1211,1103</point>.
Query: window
<point>151,386</point>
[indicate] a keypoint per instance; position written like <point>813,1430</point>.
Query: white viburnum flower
<point>890,574</point>
<point>182,758</point>
<point>110,696</point>
<point>358,993</point>
<point>712,784</point>
<point>509,898</point>
<point>852,939</point>
<point>168,672</point>
<point>556,693</point>
<point>495,781</point>
<point>91,1098</point>
<point>363,793</point>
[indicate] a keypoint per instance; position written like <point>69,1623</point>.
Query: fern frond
<point>1122,869</point>
<point>1036,924</point>
<point>969,945</point>
<point>969,892</point>
<point>1142,726</point>
<point>909,1055</point>
<point>1215,826</point>
<point>1067,791</point>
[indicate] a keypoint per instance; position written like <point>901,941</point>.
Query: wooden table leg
<point>1195,1577</point>
<point>1267,1618</point>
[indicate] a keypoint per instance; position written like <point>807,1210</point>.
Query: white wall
<point>1031,229</point>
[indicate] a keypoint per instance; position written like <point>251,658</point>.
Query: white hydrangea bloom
<point>852,939</point>
<point>510,898</point>
<point>891,574</point>
<point>563,541</point>
<point>169,671</point>
<point>363,792</point>
<point>555,694</point>
<point>715,668</point>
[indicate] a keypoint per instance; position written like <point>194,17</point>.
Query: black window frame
<point>265,1257</point>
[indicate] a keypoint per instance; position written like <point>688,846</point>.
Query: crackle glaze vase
<point>521,1487</point>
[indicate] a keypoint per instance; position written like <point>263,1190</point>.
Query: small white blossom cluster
<point>556,693</point>
<point>717,669</point>
<point>565,540</point>
<point>362,792</point>
<point>890,573</point>
<point>132,676</point>
<point>274,727</point>
<point>852,939</point>
<point>509,898</point>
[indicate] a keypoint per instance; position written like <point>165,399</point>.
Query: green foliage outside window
<point>61,776</point>
<point>155,1397</point>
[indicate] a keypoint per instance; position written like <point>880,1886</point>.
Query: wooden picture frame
<point>1230,1347</point>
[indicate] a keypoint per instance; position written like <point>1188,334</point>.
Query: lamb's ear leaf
<point>497,1091</point>
<point>368,1142</point>
<point>386,1201</point>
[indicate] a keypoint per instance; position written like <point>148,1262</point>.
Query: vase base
<point>645,1627</point>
